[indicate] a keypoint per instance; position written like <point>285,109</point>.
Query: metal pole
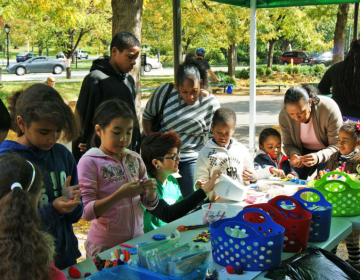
<point>7,43</point>
<point>177,34</point>
<point>349,40</point>
<point>252,103</point>
<point>356,21</point>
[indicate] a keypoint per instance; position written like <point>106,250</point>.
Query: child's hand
<point>64,205</point>
<point>277,172</point>
<point>295,160</point>
<point>249,175</point>
<point>131,189</point>
<point>82,147</point>
<point>309,160</point>
<point>70,191</point>
<point>200,183</point>
<point>209,185</point>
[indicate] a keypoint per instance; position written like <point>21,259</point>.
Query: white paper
<point>230,189</point>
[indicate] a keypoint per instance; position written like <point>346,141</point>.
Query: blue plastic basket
<point>260,250</point>
<point>321,220</point>
<point>126,272</point>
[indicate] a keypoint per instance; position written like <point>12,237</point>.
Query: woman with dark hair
<point>310,126</point>
<point>160,153</point>
<point>187,113</point>
<point>344,78</point>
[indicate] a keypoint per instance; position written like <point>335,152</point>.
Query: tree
<point>127,16</point>
<point>340,32</point>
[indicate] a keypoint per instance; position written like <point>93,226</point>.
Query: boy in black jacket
<point>108,79</point>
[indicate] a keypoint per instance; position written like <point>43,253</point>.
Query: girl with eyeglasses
<point>160,153</point>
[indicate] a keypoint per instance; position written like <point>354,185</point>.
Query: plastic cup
<point>216,212</point>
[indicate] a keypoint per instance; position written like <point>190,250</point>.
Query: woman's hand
<point>309,160</point>
<point>278,172</point>
<point>209,185</point>
<point>295,160</point>
<point>249,175</point>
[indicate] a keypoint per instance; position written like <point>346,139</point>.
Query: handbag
<point>156,122</point>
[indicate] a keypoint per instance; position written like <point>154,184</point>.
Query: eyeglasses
<point>174,157</point>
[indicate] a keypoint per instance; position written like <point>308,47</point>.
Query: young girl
<point>39,115</point>
<point>114,181</point>
<point>269,160</point>
<point>224,153</point>
<point>26,252</point>
<point>348,144</point>
<point>160,153</point>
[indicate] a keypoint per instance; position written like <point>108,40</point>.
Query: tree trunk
<point>340,33</point>
<point>271,53</point>
<point>232,59</point>
<point>127,16</point>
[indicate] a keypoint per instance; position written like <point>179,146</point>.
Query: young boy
<point>224,153</point>
<point>108,79</point>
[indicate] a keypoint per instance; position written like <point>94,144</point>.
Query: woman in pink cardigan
<point>114,181</point>
<point>310,126</point>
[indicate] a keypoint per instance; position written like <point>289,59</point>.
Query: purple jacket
<point>101,175</point>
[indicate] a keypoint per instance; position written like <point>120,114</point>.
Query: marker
<point>126,245</point>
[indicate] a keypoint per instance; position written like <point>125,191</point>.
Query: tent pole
<point>356,21</point>
<point>252,103</point>
<point>177,34</point>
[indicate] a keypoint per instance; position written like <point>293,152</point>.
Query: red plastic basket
<point>295,221</point>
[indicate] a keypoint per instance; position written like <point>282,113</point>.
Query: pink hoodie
<point>101,175</point>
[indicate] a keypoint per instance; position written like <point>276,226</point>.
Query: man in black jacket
<point>108,79</point>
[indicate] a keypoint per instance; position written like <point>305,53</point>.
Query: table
<point>340,228</point>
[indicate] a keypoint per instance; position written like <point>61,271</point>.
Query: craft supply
<point>342,169</point>
<point>159,236</point>
<point>74,272</point>
<point>205,218</point>
<point>239,270</point>
<point>133,251</point>
<point>107,264</point>
<point>127,256</point>
<point>185,228</point>
<point>116,251</point>
<point>122,257</point>
<point>123,251</point>
<point>115,263</point>
<point>87,274</point>
<point>230,269</point>
<point>127,245</point>
<point>130,262</point>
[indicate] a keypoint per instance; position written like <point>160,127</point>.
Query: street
<point>82,74</point>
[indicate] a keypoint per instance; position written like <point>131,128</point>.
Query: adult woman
<point>160,153</point>
<point>310,125</point>
<point>187,113</point>
<point>344,78</point>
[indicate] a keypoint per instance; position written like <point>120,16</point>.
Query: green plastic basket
<point>343,195</point>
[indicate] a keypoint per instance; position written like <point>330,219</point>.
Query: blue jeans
<point>305,172</point>
<point>186,170</point>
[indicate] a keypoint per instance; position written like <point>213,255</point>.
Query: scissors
<point>185,228</point>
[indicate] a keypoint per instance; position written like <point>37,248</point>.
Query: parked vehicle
<point>40,64</point>
<point>24,56</point>
<point>152,63</point>
<point>298,57</point>
<point>60,55</point>
<point>322,58</point>
<point>81,54</point>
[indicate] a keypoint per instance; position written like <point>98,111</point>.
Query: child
<point>348,144</point>
<point>4,122</point>
<point>114,181</point>
<point>269,160</point>
<point>160,153</point>
<point>39,115</point>
<point>26,252</point>
<point>224,153</point>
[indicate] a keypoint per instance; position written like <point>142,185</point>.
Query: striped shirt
<point>191,122</point>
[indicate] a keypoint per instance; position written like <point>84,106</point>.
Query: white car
<point>152,63</point>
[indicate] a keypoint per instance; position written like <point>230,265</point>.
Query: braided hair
<point>350,75</point>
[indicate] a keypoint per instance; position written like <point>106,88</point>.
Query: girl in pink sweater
<point>114,181</point>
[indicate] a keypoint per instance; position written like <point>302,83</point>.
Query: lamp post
<point>7,31</point>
